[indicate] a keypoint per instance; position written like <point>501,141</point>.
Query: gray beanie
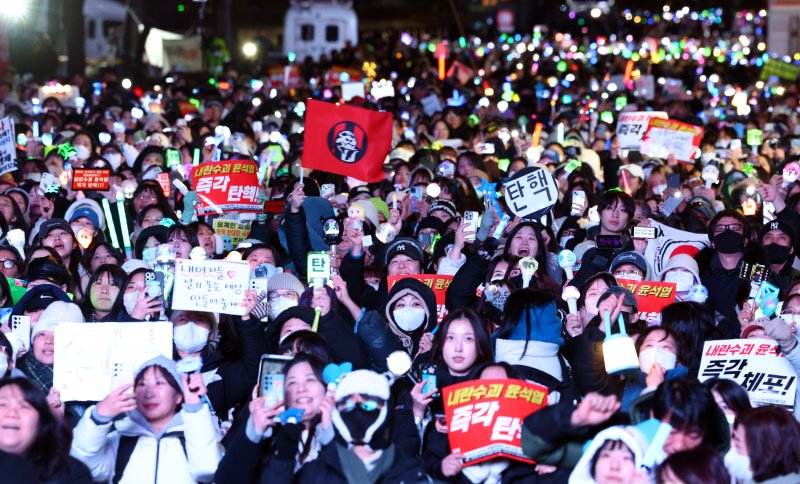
<point>284,280</point>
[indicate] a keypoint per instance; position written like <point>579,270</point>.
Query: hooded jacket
<point>155,458</point>
<point>630,436</point>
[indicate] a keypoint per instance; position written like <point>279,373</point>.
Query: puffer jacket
<point>186,452</point>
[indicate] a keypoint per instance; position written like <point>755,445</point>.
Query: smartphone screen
<point>471,224</point>
<point>613,242</point>
<point>427,373</point>
<point>270,378</point>
<point>674,180</point>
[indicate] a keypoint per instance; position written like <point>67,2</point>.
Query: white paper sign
<point>645,87</point>
<point>352,89</point>
<point>215,286</point>
<point>754,364</point>
<point>631,128</point>
<point>8,150</point>
<point>93,359</point>
<point>531,193</point>
<point>431,105</point>
<point>21,326</point>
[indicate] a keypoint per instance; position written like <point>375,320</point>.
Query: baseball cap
<point>550,155</point>
<point>633,170</point>
<point>52,224</point>
<point>629,257</point>
<point>49,269</point>
<point>358,191</point>
<point>403,245</point>
<point>783,226</point>
<point>88,213</point>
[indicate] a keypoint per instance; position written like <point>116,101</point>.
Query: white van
<point>313,28</point>
<point>104,21</point>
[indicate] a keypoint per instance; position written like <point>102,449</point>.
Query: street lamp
<point>249,49</point>
<point>15,10</point>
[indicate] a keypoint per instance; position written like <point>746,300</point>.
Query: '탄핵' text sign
<point>531,192</point>
<point>214,286</point>
<point>226,186</point>
<point>484,417</point>
<point>756,365</point>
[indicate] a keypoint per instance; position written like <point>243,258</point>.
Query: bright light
<point>249,49</point>
<point>256,101</point>
<point>15,10</point>
<point>595,12</point>
<point>126,84</point>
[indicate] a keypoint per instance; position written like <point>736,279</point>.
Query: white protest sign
<point>431,105</point>
<point>8,149</point>
<point>21,327</point>
<point>665,137</point>
<point>645,87</point>
<point>214,286</point>
<point>531,193</point>
<point>352,89</point>
<point>93,359</point>
<point>755,365</point>
<point>631,127</point>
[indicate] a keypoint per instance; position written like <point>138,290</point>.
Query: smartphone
<point>173,157</point>
<point>257,126</point>
<point>578,202</point>
<point>485,149</point>
<point>736,144</point>
<point>674,180</point>
<point>768,210</point>
<point>154,285</point>
<point>21,326</point>
<point>416,197</point>
<point>427,373</point>
<point>470,224</point>
<point>270,378</point>
<point>644,232</point>
<point>612,242</point>
<point>671,203</point>
<point>327,190</point>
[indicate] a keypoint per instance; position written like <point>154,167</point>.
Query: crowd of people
<point>64,260</point>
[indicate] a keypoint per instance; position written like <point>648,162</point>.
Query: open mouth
<point>524,252</point>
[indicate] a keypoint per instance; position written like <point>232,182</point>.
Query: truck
<point>315,28</point>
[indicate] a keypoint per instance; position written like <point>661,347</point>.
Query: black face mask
<point>358,421</point>
<point>729,242</point>
<point>776,253</point>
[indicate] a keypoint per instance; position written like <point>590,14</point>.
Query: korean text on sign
<point>532,193</point>
<point>215,286</point>
<point>438,283</point>
<point>484,418</point>
<point>756,364</point>
<point>651,296</point>
<point>8,148</point>
<point>226,186</point>
<point>631,128</point>
<point>91,179</point>
<point>666,137</point>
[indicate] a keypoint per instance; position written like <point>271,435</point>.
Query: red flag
<point>346,140</point>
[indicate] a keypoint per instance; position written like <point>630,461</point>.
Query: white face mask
<point>279,305</point>
<point>190,338</point>
<point>565,240</point>
<point>3,364</point>
<point>82,152</point>
<point>408,319</point>
<point>374,286</point>
<point>656,354</point>
<point>630,276</point>
<point>114,158</point>
<point>129,300</point>
<point>738,465</point>
<point>683,280</point>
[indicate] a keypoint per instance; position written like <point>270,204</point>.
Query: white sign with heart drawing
<point>215,286</point>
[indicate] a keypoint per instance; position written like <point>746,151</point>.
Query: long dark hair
<point>695,324</point>
<point>689,406</point>
<point>734,396</point>
<point>773,441</point>
<point>49,451</point>
<point>118,277</point>
<point>317,366</point>
<point>702,464</point>
<point>483,343</point>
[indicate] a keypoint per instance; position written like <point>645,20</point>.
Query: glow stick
<point>123,223</point>
<point>112,229</point>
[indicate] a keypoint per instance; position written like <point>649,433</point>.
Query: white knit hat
<point>365,382</point>
<point>57,312</point>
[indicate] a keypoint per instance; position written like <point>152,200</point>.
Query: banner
<point>183,55</point>
<point>214,286</point>
<point>337,75</point>
<point>484,417</point>
<point>631,128</point>
<point>346,140</point>
<point>779,69</point>
<point>91,179</point>
<point>438,283</point>
<point>667,136</point>
<point>8,147</point>
<point>531,192</point>
<point>93,359</point>
<point>226,186</point>
<point>651,297</point>
<point>756,365</point>
<point>231,231</point>
<point>286,76</point>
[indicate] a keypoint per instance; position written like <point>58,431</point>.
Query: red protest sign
<point>286,76</point>
<point>438,283</point>
<point>91,179</point>
<point>651,296</point>
<point>163,180</point>
<point>274,206</point>
<point>666,137</point>
<point>226,186</point>
<point>484,417</point>
<point>337,75</point>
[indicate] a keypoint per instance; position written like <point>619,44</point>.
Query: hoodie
<point>630,436</point>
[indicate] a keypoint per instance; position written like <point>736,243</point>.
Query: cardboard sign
<point>91,179</point>
<point>438,283</point>
<point>651,296</point>
<point>484,417</point>
<point>214,286</point>
<point>462,73</point>
<point>231,231</point>
<point>226,186</point>
<point>431,105</point>
<point>8,148</point>
<point>163,180</point>
<point>338,75</point>
<point>531,192</point>
<point>93,359</point>
<point>318,267</point>
<point>645,87</point>
<point>353,89</point>
<point>286,76</point>
<point>631,128</point>
<point>756,365</point>
<point>667,136</point>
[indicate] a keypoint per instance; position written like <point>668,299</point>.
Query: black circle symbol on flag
<point>347,142</point>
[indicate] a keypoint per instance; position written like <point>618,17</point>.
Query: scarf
<point>356,472</point>
<point>41,374</point>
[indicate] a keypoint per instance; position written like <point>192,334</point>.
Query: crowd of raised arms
<point>673,256</point>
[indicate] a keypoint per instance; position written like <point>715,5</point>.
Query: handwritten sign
<point>667,136</point>
<point>214,286</point>
<point>651,297</point>
<point>484,417</point>
<point>91,179</point>
<point>8,148</point>
<point>438,283</point>
<point>93,359</point>
<point>756,365</point>
<point>231,231</point>
<point>631,127</point>
<point>226,186</point>
<point>531,192</point>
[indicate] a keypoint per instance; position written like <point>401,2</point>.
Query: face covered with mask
<point>361,409</point>
<point>190,333</point>
<point>281,300</point>
<point>660,348</point>
<point>409,313</point>
<point>737,460</point>
<point>683,279</point>
<point>729,236</point>
<point>777,244</point>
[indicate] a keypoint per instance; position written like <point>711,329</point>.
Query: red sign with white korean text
<point>438,283</point>
<point>286,76</point>
<point>666,137</point>
<point>337,75</point>
<point>163,180</point>
<point>651,296</point>
<point>226,186</point>
<point>484,417</point>
<point>91,179</point>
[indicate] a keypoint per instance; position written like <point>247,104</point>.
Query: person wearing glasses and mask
<point>729,233</point>
<point>10,261</point>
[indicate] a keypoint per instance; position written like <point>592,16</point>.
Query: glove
<point>777,329</point>
<point>286,441</point>
<point>261,309</point>
<point>487,221</point>
<point>189,201</point>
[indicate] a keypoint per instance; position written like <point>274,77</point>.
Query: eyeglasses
<point>736,227</point>
<point>8,263</point>
<point>369,404</point>
<point>146,196</point>
<point>274,295</point>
